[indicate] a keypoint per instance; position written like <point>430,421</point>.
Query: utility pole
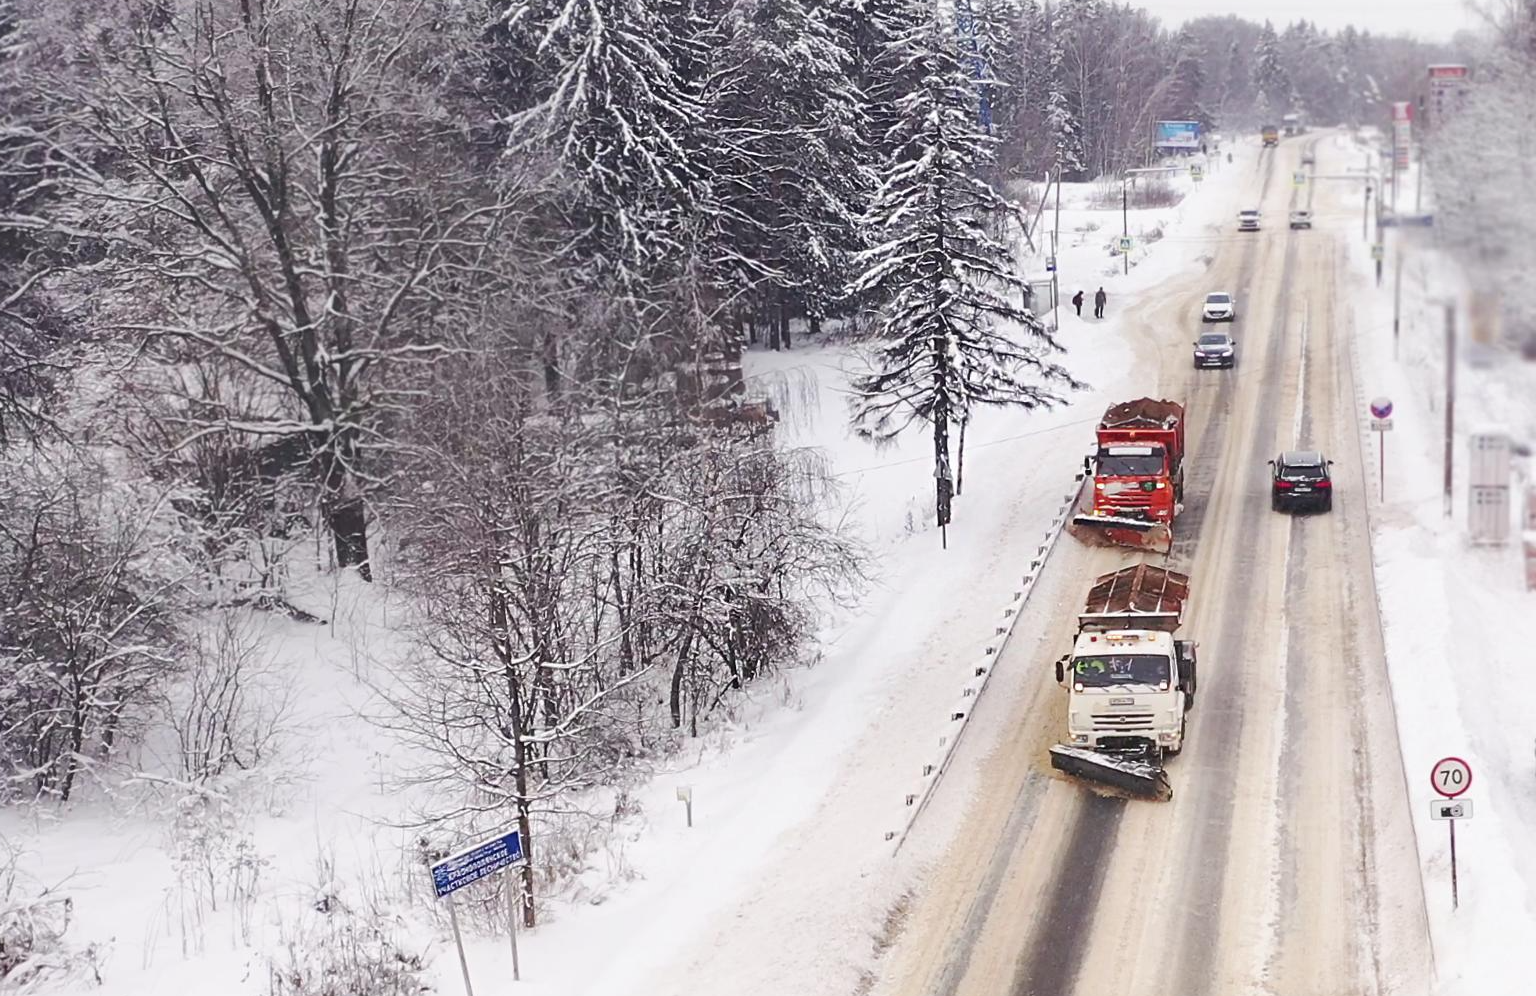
<point>1125,220</point>
<point>1450,399</point>
<point>1418,183</point>
<point>1056,252</point>
<point>1378,228</point>
<point>1397,297</point>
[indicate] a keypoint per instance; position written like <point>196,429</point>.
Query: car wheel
<point>1328,504</point>
<point>1274,503</point>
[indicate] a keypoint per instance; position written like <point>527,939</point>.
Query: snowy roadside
<point>1461,685</point>
<point>795,857</point>
<point>792,798</point>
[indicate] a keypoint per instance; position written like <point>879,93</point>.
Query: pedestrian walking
<point>1099,300</point>
<point>1077,302</point>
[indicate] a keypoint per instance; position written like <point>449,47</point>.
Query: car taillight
<point>1325,484</point>
<point>1283,485</point>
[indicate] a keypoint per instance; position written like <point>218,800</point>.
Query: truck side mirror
<point>1061,670</point>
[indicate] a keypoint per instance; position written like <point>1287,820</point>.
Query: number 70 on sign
<point>1451,776</point>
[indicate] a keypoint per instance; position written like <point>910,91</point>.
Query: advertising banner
<point>1177,135</point>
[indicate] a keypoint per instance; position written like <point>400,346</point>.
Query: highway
<point>1284,863</point>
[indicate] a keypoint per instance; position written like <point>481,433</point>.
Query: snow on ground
<point>785,876</point>
<point>1454,615</point>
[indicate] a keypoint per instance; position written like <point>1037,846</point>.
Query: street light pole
<point>1397,296</point>
<point>1450,399</point>
<point>1125,220</point>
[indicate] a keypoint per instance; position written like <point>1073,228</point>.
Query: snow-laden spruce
<point>949,336</point>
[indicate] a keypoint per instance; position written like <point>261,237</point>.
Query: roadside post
<point>1451,776</point>
<point>1381,424</point>
<point>470,865</point>
<point>1378,253</point>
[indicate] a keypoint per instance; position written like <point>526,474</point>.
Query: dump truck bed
<point>1143,413</point>
<point>1138,597</point>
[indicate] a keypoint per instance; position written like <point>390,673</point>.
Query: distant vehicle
<point>1129,682</point>
<point>1308,159</point>
<point>1292,124</point>
<point>1271,135</point>
<point>1215,349</point>
<point>1301,480</point>
<point>1219,307</point>
<point>1301,219</point>
<point>1248,221</point>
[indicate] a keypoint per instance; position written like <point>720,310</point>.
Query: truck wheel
<point>1176,751</point>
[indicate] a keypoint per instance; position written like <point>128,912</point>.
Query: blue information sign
<point>476,862</point>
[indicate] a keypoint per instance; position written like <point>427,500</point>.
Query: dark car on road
<point>1215,349</point>
<point>1301,481</point>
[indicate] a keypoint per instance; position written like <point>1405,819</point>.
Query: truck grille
<point>1115,721</point>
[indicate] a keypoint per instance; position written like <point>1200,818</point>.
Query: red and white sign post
<point>1451,776</point>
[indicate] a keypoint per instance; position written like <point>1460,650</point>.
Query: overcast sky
<point>1428,19</point>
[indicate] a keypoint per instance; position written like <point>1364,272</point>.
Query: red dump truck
<point>1138,477</point>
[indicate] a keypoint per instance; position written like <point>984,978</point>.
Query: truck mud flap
<point>1135,778</point>
<point>1114,530</point>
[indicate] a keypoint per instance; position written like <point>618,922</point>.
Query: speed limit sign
<point>1451,776</point>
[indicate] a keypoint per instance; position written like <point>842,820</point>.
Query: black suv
<point>1301,481</point>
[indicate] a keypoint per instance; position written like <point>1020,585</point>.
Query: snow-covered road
<point>1285,862</point>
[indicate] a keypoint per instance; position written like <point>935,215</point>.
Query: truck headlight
<point>1079,738</point>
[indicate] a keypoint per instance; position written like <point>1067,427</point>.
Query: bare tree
<point>90,575</point>
<point>285,194</point>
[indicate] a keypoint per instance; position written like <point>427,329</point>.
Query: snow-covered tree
<point>1064,94</point>
<point>950,338</point>
<point>1187,91</point>
<point>1271,82</point>
<point>612,104</point>
<point>784,134</point>
<point>291,201</point>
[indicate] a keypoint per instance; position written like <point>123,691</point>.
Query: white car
<point>1301,219</point>
<point>1220,306</point>
<point>1248,221</point>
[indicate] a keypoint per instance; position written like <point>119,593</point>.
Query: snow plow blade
<point>1139,779</point>
<point>1115,530</point>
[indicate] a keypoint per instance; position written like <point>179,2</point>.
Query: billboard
<point>1448,77</point>
<point>1177,135</point>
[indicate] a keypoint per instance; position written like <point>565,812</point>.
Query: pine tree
<point>949,337</point>
<point>1270,80</point>
<point>616,110</point>
<point>785,124</point>
<point>1188,86</point>
<point>1063,97</point>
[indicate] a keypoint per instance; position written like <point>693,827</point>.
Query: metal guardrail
<point>959,714</point>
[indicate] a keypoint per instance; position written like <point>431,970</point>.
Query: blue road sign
<point>476,862</point>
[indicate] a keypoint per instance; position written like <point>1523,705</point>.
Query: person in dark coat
<point>1077,302</point>
<point>1099,301</point>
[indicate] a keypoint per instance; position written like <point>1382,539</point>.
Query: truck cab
<point>1128,691</point>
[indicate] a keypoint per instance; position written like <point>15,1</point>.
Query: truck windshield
<point>1120,669</point>
<point>1130,465</point>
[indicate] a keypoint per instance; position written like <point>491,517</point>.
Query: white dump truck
<point>1129,682</point>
